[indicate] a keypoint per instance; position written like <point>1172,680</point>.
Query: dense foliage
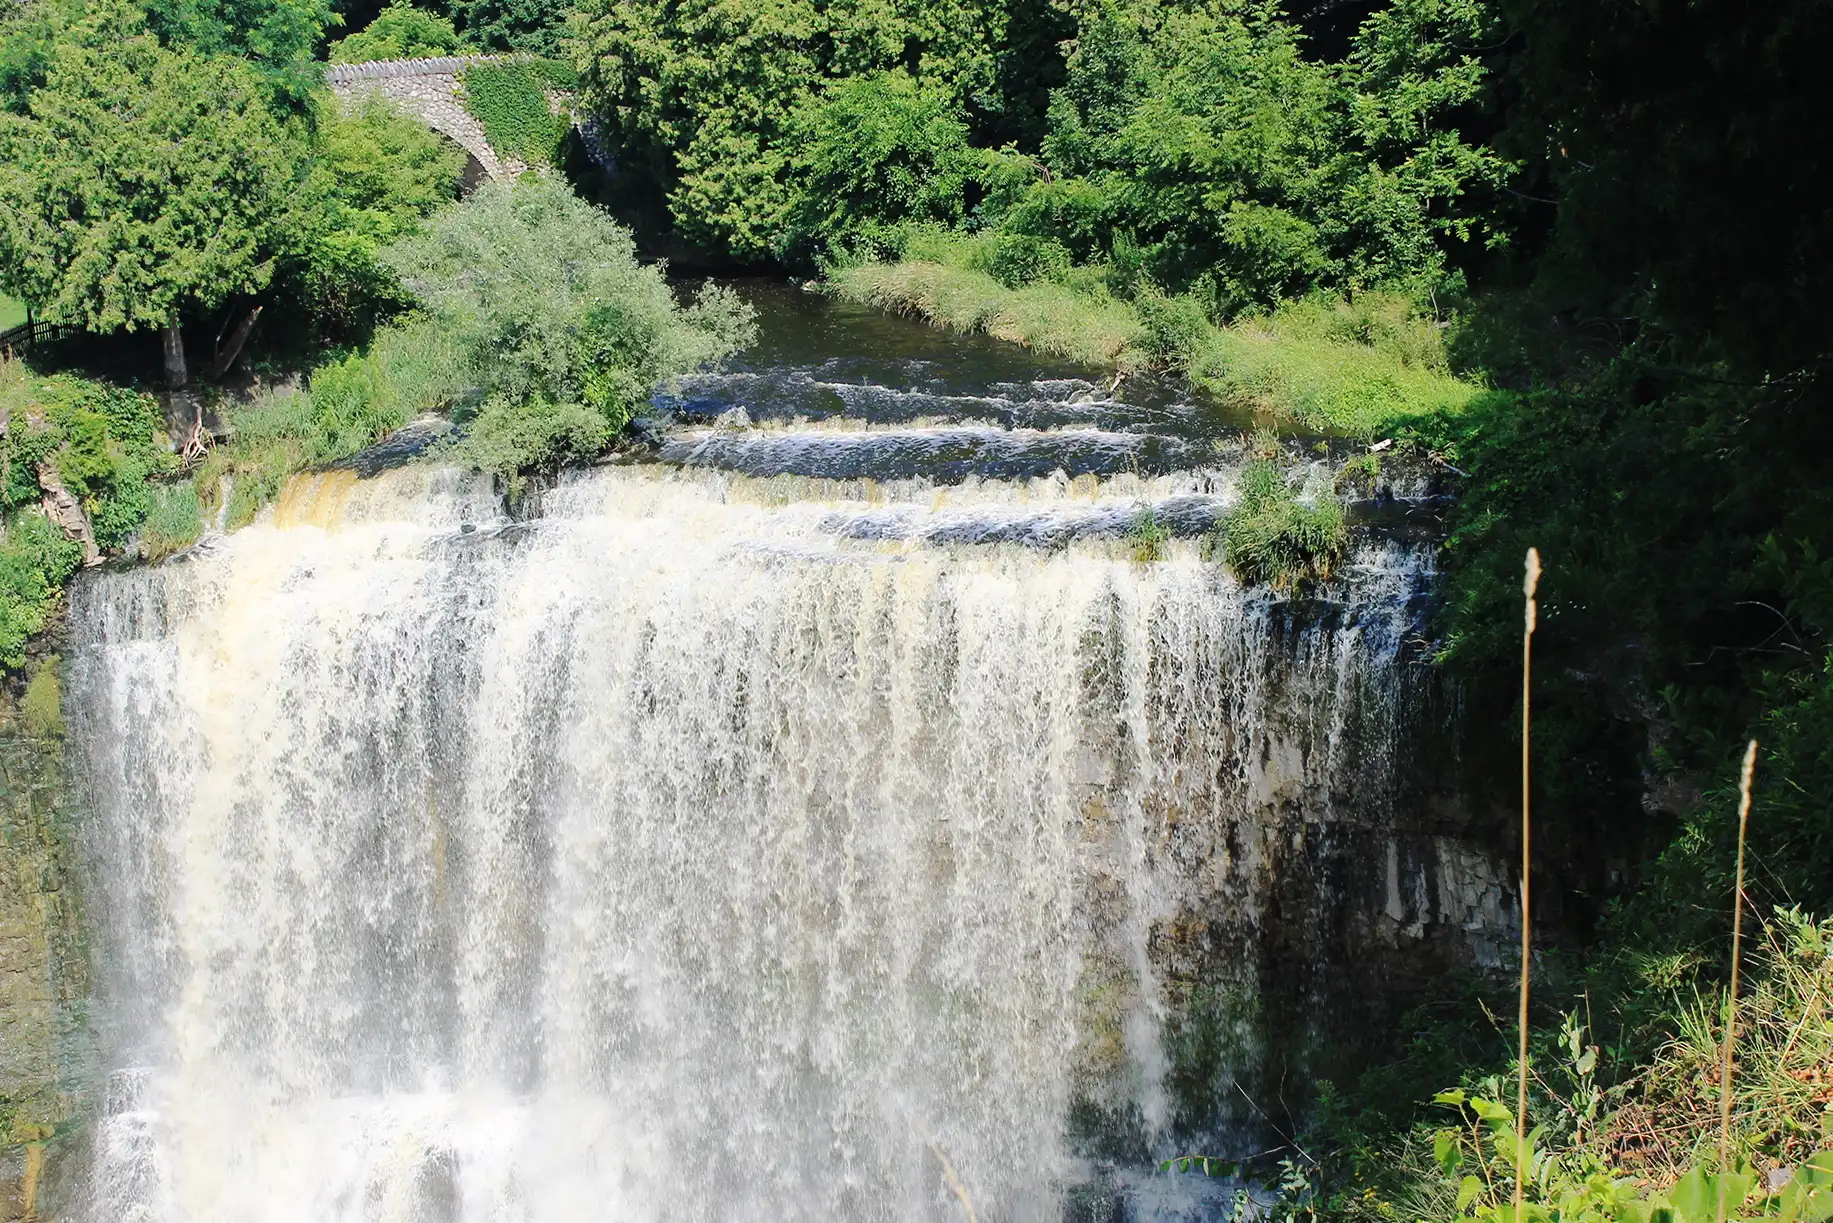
<point>558,331</point>
<point>713,97</point>
<point>1197,145</point>
<point>98,443</point>
<point>137,180</point>
<point>374,176</point>
<point>510,100</point>
<point>400,31</point>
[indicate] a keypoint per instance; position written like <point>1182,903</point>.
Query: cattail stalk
<point>1529,586</point>
<point>1731,1003</point>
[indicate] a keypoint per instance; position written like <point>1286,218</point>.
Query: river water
<point>832,814</point>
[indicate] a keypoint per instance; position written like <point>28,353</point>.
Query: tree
<point>1251,170</point>
<point>375,175</point>
<point>875,151</point>
<point>400,31</point>
<point>139,181</point>
<point>705,95</point>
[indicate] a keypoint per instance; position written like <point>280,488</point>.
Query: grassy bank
<point>1359,367</point>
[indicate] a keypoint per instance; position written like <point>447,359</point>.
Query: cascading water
<point>703,844</point>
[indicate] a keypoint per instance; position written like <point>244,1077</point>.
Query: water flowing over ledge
<point>673,854</point>
<point>826,801</point>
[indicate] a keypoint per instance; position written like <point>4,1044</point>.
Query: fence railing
<point>26,336</point>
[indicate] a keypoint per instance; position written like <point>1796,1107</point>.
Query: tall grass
<point>1052,318</point>
<point>1348,366</point>
<point>1530,586</point>
<point>1353,367</point>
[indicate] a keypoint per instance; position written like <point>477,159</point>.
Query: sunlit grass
<point>1355,367</point>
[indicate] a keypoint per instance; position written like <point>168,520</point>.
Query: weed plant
<point>1271,537</point>
<point>510,101</point>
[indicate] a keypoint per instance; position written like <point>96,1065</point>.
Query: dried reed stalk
<point>1529,586</point>
<point>1731,1003</point>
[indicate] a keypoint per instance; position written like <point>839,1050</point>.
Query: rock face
<point>43,967</point>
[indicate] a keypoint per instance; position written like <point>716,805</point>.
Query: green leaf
<point>1694,1198</point>
<point>1447,1151</point>
<point>1492,1112</point>
<point>1467,1192</point>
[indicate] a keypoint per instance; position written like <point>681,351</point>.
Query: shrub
<point>543,304</point>
<point>1271,537</point>
<point>399,31</point>
<point>1020,259</point>
<point>375,175</point>
<point>35,561</point>
<point>1176,329</point>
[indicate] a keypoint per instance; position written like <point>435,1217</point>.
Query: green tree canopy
<point>1247,168</point>
<point>279,35</point>
<point>400,31</point>
<point>137,180</point>
<point>706,94</point>
<point>375,174</point>
<point>875,151</point>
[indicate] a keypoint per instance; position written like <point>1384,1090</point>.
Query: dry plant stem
<point>954,1183</point>
<point>1731,1004</point>
<point>1529,586</point>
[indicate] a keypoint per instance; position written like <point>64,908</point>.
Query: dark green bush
<point>1176,329</point>
<point>35,561</point>
<point>1020,259</point>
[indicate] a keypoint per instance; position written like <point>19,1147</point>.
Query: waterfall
<point>696,846</point>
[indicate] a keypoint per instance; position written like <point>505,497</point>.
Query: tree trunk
<point>176,377</point>
<point>226,359</point>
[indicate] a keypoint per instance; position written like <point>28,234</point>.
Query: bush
<point>1020,259</point>
<point>376,174</point>
<point>1271,537</point>
<point>399,31</point>
<point>1176,329</point>
<point>510,103</point>
<point>35,561</point>
<point>543,304</point>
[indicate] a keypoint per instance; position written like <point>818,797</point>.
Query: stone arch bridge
<point>430,91</point>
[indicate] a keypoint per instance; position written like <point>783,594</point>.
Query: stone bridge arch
<point>429,90</point>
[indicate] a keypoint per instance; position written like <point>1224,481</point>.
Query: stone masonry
<point>429,90</point>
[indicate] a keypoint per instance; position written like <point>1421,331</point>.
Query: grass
<point>1051,318</point>
<point>1272,537</point>
<point>12,312</point>
<point>1359,367</point>
<point>1352,367</point>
